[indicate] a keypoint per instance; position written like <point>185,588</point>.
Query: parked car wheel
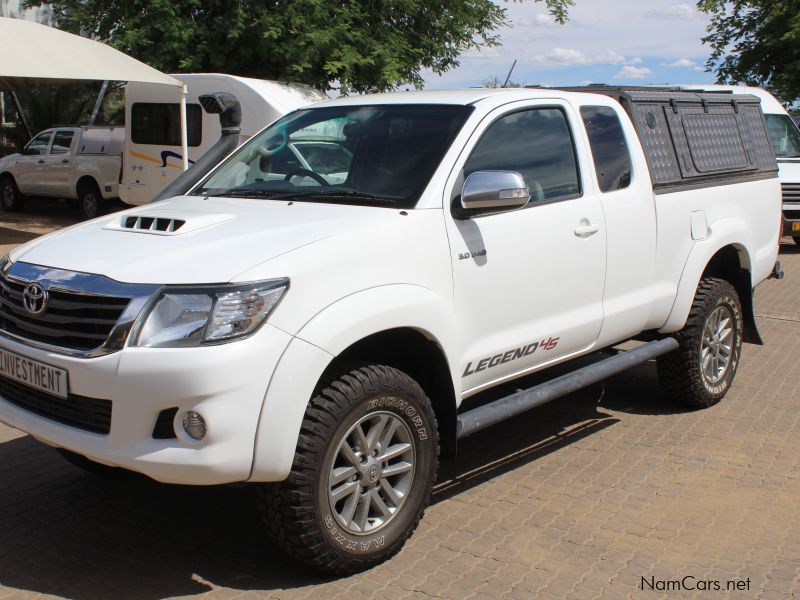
<point>91,201</point>
<point>10,197</point>
<point>796,239</point>
<point>91,467</point>
<point>363,472</point>
<point>701,371</point>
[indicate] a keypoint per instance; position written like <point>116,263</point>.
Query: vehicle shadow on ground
<point>69,534</point>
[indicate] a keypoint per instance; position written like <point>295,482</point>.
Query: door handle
<point>584,231</point>
<point>65,161</point>
<point>40,162</point>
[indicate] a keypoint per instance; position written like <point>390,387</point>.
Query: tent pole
<point>21,113</point>
<point>184,131</point>
<point>98,103</point>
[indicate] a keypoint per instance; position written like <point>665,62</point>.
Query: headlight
<point>184,317</point>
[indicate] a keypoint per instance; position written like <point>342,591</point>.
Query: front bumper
<point>225,383</point>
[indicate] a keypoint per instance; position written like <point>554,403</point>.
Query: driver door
<point>29,167</point>
<point>528,283</point>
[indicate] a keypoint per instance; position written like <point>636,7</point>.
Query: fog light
<point>194,425</point>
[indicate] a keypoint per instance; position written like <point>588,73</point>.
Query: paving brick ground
<point>579,499</point>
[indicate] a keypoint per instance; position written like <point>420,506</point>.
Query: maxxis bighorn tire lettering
<point>698,374</point>
<point>299,513</point>
<point>11,199</point>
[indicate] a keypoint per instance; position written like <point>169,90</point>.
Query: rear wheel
<point>10,197</point>
<point>701,371</point>
<point>362,476</point>
<point>91,202</point>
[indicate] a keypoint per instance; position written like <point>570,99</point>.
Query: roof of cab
<point>463,97</point>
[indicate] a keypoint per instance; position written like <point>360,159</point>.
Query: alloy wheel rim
<point>8,195</point>
<point>371,473</point>
<point>716,350</point>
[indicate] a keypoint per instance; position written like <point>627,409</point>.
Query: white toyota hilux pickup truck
<point>323,338</point>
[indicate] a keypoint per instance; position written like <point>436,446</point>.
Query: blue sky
<point>610,41</point>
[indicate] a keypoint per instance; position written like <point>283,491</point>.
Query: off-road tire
<point>680,371</point>
<point>91,467</point>
<point>298,513</point>
<point>90,201</point>
<point>11,200</point>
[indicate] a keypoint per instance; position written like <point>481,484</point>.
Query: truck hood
<point>192,239</point>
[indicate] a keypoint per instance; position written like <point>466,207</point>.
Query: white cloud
<point>537,20</point>
<point>681,12</point>
<point>629,72</point>
<point>570,56</point>
<point>681,62</point>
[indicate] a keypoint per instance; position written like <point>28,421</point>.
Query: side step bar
<point>490,414</point>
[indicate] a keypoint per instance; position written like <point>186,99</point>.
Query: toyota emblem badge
<point>34,299</point>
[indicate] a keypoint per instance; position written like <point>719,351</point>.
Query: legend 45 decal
<point>514,354</point>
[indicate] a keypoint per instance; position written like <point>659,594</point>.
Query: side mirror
<point>488,191</point>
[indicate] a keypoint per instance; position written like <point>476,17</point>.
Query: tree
<point>755,42</point>
<point>364,45</point>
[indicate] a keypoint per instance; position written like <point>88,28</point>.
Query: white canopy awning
<point>34,55</point>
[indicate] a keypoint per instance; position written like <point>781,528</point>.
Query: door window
<point>61,142</point>
<point>537,144</point>
<point>38,145</point>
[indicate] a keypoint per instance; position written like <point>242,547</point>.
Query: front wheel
<point>362,476</point>
<point>10,197</point>
<point>796,239</point>
<point>701,371</point>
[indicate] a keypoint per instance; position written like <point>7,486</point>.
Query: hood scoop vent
<point>165,223</point>
<point>153,224</point>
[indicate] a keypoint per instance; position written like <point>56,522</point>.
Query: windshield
<point>784,136</point>
<point>375,155</point>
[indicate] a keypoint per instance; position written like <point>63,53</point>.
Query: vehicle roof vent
<point>152,224</point>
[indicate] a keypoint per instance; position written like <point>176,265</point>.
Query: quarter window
<point>159,124</point>
<point>612,161</point>
<point>535,143</point>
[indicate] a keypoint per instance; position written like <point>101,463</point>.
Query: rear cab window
<point>612,159</point>
<point>62,141</point>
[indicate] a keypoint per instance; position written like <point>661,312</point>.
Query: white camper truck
<point>152,157</point>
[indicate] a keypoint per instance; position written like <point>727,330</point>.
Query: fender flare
<point>317,344</point>
<point>729,231</point>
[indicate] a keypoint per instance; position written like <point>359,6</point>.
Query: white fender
<point>729,231</point>
<point>319,341</point>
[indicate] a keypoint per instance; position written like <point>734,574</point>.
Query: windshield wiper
<point>244,193</point>
<point>339,196</point>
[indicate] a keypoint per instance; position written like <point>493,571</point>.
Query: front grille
<point>71,320</point>
<point>791,192</point>
<point>88,414</point>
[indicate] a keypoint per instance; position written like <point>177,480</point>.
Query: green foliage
<point>755,42</point>
<point>364,45</point>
